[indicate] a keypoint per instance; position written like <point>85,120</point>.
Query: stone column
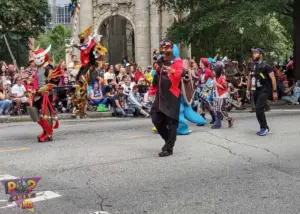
<point>142,34</point>
<point>85,14</point>
<point>166,22</point>
<point>185,52</point>
<point>154,26</point>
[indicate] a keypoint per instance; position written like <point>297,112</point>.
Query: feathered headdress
<point>86,32</point>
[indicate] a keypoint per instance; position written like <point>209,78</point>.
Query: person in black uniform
<point>264,84</point>
<point>165,109</point>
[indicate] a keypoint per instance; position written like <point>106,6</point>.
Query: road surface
<point>111,165</point>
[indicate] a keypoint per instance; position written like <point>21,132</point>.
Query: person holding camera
<point>263,83</point>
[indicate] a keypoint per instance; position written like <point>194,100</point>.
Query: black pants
<point>260,99</point>
<point>167,128</point>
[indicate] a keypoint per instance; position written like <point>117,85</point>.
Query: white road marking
<point>7,177</point>
<point>40,196</point>
<point>100,212</point>
<point>287,110</point>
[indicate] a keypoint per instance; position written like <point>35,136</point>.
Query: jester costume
<point>44,80</point>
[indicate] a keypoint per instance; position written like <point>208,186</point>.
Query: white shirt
<point>18,90</point>
<point>109,76</point>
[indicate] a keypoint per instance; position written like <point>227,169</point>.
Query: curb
<point>61,117</point>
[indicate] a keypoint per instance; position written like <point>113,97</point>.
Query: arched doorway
<point>118,36</point>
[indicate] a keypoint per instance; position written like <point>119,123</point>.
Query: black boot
<point>213,117</point>
<point>203,115</point>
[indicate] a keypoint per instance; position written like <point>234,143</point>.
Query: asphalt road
<point>112,165</point>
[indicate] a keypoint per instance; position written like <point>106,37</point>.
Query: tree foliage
<point>212,26</point>
<point>57,37</point>
<point>28,17</point>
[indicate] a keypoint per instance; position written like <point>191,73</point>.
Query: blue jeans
<point>123,112</point>
<point>291,99</point>
<point>4,106</point>
<point>102,101</point>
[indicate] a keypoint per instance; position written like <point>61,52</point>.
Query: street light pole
<point>241,31</point>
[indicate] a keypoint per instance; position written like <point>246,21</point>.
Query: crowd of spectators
<point>123,88</point>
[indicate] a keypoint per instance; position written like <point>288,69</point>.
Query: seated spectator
<point>134,102</point>
<point>99,69</point>
<point>22,74</point>
<point>5,77</point>
<point>122,74</point>
<point>121,106</point>
<point>138,74</point>
<point>62,93</point>
<point>142,86</point>
<point>296,91</point>
<point>110,75</point>
<point>18,93</point>
<point>12,73</point>
<point>28,84</point>
<point>96,96</point>
<point>128,85</point>
<point>288,94</point>
<point>31,69</point>
<point>94,75</point>
<point>74,71</point>
<point>4,99</point>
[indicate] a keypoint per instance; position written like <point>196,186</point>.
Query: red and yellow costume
<point>44,80</point>
<point>86,45</point>
<point>79,99</point>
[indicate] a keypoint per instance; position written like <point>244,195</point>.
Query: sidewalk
<point>26,118</point>
<point>274,105</point>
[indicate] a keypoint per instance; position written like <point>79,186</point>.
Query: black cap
<point>257,50</point>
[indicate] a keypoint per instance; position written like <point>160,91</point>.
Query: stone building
<point>130,28</point>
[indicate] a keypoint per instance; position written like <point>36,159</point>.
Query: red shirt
<point>208,74</point>
<point>221,80</point>
<point>138,75</point>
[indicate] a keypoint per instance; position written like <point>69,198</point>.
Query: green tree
<point>213,26</point>
<point>57,37</point>
<point>28,17</point>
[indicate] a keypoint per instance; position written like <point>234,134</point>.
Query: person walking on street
<point>263,83</point>
<point>165,109</point>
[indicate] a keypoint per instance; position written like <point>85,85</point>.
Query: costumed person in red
<point>44,80</point>
<point>86,46</point>
<point>165,109</point>
<point>204,74</point>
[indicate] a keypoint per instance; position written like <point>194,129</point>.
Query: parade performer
<point>165,109</point>
<point>186,111</point>
<point>221,98</point>
<point>44,80</point>
<point>205,74</point>
<point>86,46</point>
<point>80,97</point>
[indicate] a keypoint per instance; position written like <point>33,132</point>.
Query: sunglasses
<point>165,43</point>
